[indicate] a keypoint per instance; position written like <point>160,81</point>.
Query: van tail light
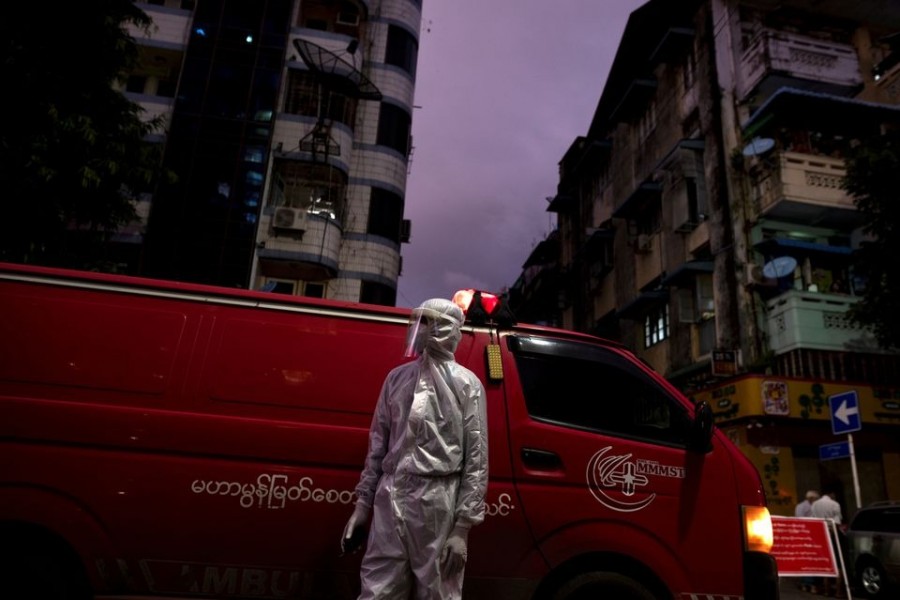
<point>757,529</point>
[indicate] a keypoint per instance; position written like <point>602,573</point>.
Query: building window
<point>372,292</point>
<point>311,96</point>
<point>385,214</point>
<point>318,188</point>
<point>280,286</point>
<point>308,289</point>
<point>342,17</point>
<point>393,128</point>
<point>656,326</point>
<point>402,49</point>
<point>560,385</point>
<point>313,290</point>
<point>136,84</point>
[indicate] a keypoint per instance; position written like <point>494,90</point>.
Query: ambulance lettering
<point>621,473</point>
<point>273,492</point>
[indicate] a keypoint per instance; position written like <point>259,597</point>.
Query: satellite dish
<point>758,146</point>
<point>780,267</point>
<point>338,73</point>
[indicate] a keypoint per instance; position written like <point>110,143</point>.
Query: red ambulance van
<point>160,439</point>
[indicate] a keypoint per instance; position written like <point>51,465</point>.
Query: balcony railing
<point>814,320</point>
<point>803,188</point>
<point>777,58</point>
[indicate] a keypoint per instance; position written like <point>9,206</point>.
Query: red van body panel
<point>193,441</point>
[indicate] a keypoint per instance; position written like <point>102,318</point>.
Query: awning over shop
<point>641,199</point>
<point>597,237</point>
<point>547,251</point>
<point>802,107</point>
<point>686,271</point>
<point>635,309</point>
<point>561,203</point>
<point>674,40</point>
<point>637,94</point>
<point>773,246</point>
<point>593,153</point>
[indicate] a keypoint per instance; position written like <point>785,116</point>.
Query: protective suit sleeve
<point>379,438</point>
<point>474,480</point>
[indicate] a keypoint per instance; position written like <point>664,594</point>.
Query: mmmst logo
<point>625,477</point>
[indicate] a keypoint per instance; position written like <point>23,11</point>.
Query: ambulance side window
<point>603,394</point>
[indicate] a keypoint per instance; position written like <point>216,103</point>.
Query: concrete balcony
<point>815,321</point>
<point>292,138</point>
<point>309,254</point>
<point>777,59</point>
<point>803,188</point>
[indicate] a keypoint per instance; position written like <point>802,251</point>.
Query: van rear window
<point>589,387</point>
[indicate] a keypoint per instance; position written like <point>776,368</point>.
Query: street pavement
<point>790,590</point>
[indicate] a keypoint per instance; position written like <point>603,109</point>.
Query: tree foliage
<point>873,179</point>
<point>72,149</point>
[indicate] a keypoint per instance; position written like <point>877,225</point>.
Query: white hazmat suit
<point>426,471</point>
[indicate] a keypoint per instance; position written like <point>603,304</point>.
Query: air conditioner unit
<point>293,219</point>
<point>405,230</point>
<point>348,18</point>
<point>643,243</point>
<point>753,274</point>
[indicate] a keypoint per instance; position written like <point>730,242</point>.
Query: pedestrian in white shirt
<point>804,508</point>
<point>827,507</point>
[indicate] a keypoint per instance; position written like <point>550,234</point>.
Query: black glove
<point>355,530</point>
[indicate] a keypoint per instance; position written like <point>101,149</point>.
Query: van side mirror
<point>701,428</point>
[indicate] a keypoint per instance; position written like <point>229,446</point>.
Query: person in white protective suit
<point>426,471</point>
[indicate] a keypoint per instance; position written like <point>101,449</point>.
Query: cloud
<point>503,88</point>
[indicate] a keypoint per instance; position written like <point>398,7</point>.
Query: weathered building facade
<point>288,126</point>
<point>702,222</point>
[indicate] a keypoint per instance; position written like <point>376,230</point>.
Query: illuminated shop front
<point>780,424</point>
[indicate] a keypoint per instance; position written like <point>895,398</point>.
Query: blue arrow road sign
<point>836,450</point>
<point>845,412</point>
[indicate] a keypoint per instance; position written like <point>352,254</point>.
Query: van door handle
<point>541,459</point>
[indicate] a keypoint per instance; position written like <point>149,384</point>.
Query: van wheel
<point>872,579</point>
<point>30,571</point>
<point>600,584</point>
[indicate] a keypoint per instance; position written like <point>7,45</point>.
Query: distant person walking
<point>804,510</point>
<point>804,507</point>
<point>827,507</point>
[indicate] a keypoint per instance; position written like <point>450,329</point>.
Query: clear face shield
<point>422,325</point>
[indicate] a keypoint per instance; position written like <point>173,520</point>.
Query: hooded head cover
<point>434,329</point>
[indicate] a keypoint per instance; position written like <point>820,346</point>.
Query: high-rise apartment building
<point>702,222</point>
<point>287,124</point>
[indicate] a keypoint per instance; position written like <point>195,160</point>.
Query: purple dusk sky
<point>503,88</point>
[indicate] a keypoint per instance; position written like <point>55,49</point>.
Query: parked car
<point>873,538</point>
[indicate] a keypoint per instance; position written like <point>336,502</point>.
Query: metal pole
<point>853,467</point>
<point>843,576</point>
